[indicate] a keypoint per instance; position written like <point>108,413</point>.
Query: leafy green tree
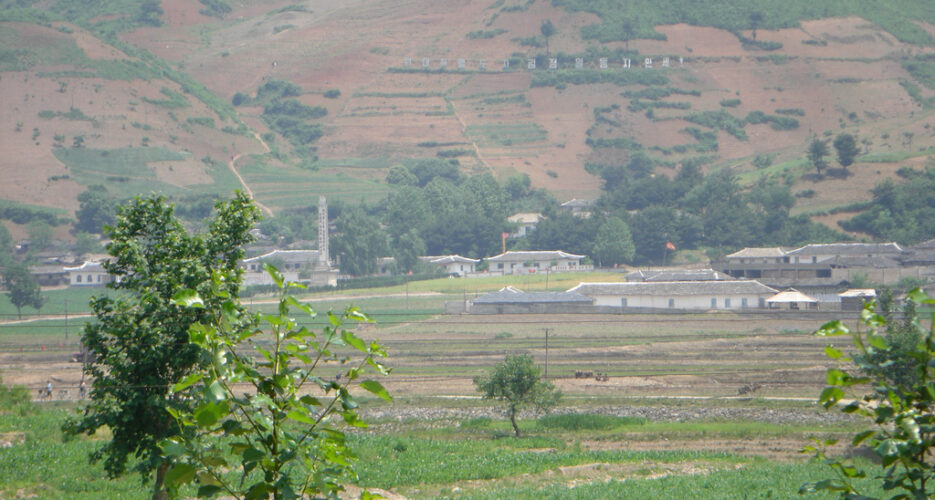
<point>359,242</point>
<point>40,235</point>
<point>756,17</point>
<point>150,12</point>
<point>87,243</point>
<point>900,408</point>
<point>407,250</point>
<point>516,382</point>
<point>613,244</point>
<point>280,429</point>
<point>6,245</point>
<point>95,210</point>
<point>401,176</point>
<point>817,151</point>
<point>139,344</point>
<point>547,29</point>
<point>23,288</point>
<point>847,149</point>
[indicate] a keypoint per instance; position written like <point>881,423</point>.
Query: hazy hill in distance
<point>140,96</point>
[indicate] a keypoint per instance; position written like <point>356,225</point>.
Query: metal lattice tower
<point>322,232</point>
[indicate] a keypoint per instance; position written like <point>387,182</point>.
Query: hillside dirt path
<point>463,133</point>
<point>243,183</point>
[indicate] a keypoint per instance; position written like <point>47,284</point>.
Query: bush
<point>586,421</point>
<point>730,103</point>
<point>332,93</point>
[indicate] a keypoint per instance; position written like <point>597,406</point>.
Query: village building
<point>679,295</point>
<point>301,266</point>
<point>830,265</point>
<point>526,223</point>
<point>88,274</point>
<point>581,208</point>
<point>792,300</point>
<point>533,261</point>
<point>49,274</point>
<point>455,265</point>
<point>855,298</point>
<point>677,275</point>
<point>510,300</point>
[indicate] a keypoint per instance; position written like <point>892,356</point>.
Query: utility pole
<point>66,321</point>
<point>546,352</point>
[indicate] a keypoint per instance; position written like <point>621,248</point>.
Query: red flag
<point>670,246</point>
<point>503,236</point>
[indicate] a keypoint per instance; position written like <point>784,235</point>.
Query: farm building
<point>686,295</point>
<point>88,274</point>
<point>792,299</point>
<point>510,300</point>
<point>854,299</point>
<point>527,262</point>
<point>49,274</point>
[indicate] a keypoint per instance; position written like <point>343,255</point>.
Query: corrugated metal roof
<point>675,288</point>
<point>790,295</point>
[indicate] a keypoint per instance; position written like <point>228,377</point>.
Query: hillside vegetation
<point>178,97</point>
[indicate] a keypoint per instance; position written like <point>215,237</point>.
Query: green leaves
<point>376,388</point>
<point>288,440</point>
<point>188,298</point>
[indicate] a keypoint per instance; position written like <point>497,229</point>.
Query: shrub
<point>332,93</point>
<point>586,421</point>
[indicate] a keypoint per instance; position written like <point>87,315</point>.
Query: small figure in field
<point>82,390</point>
<point>48,389</point>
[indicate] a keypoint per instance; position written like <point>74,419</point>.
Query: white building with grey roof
<point>685,295</point>
<point>533,261</point>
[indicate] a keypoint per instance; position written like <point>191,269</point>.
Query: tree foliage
<point>95,210</point>
<point>139,344</point>
<point>516,382</point>
<point>901,403</point>
<point>817,151</point>
<point>359,242</point>
<point>23,288</point>
<point>279,439</point>
<point>613,244</point>
<point>846,147</point>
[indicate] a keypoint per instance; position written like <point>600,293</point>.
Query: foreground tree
<point>901,404</point>
<point>23,288</point>
<point>279,428</point>
<point>139,344</point>
<point>517,383</point>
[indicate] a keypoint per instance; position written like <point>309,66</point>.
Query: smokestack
<point>323,259</point>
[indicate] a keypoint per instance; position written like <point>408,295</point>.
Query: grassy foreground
<point>475,458</point>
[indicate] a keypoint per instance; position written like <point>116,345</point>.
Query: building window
<point>671,302</point>
<point>623,302</point>
<point>713,303</point>
<point>726,303</point>
<point>743,302</point>
<point>90,280</point>
<point>814,259</point>
<point>762,302</point>
<point>77,278</point>
<point>500,266</point>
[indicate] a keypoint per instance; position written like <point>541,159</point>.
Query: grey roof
<point>752,253</point>
<point>533,255</point>
<point>576,203</point>
<point>925,245</point>
<point>678,275</point>
<point>875,262</point>
<point>921,256</point>
<point>88,266</point>
<point>448,259</point>
<point>287,256</point>
<point>671,288</point>
<point>507,296</point>
<point>848,249</point>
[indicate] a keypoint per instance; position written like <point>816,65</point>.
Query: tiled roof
<point>525,218</point>
<point>847,249</point>
<point>534,255</point>
<point>679,275</point>
<point>87,267</point>
<point>752,253</point>
<point>671,288</point>
<point>452,259</point>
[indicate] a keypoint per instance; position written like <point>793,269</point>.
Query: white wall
<point>702,302</point>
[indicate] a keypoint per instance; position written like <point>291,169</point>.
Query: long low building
<point>699,295</point>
